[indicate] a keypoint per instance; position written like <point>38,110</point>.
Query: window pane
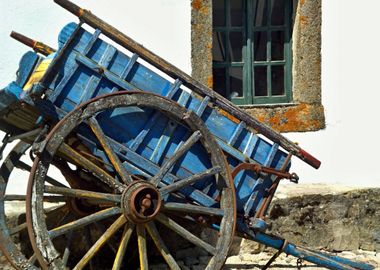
<point>260,46</point>
<point>278,81</point>
<point>236,43</point>
<point>278,45</point>
<point>261,87</point>
<point>236,13</point>
<point>219,77</point>
<point>236,82</point>
<point>260,12</point>
<point>278,12</point>
<point>218,48</point>
<point>218,13</point>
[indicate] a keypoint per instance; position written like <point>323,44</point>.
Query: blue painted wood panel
<point>91,67</point>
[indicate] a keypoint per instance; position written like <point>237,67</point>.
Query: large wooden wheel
<point>132,210</point>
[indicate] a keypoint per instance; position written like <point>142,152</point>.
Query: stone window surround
<point>305,112</point>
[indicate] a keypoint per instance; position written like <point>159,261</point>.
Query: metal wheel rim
<point>37,228</point>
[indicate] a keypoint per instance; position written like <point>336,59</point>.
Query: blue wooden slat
<point>168,131</point>
<point>202,107</point>
<point>94,80</point>
<point>114,89</point>
<point>106,73</point>
<point>250,146</point>
<point>254,199</point>
<point>68,75</point>
<point>236,133</point>
<point>271,155</point>
<point>173,89</point>
<point>248,149</point>
<point>140,137</point>
<point>183,98</point>
<point>233,151</point>
<point>129,66</point>
<point>163,142</point>
<point>92,41</point>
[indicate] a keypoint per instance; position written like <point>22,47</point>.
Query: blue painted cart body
<point>85,66</point>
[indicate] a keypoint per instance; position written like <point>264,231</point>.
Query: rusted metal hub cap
<point>141,202</point>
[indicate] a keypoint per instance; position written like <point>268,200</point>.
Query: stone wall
<point>331,220</point>
<point>347,221</point>
<point>305,112</point>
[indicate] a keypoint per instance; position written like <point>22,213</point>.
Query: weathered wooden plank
<point>236,133</point>
<point>94,80</point>
<point>68,75</point>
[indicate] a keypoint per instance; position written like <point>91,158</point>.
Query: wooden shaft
<point>37,46</point>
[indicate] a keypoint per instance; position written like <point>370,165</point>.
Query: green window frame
<point>252,57</point>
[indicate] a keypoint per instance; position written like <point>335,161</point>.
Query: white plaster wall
<point>348,147</point>
<point>163,26</point>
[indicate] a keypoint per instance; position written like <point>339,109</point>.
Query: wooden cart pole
<point>37,46</point>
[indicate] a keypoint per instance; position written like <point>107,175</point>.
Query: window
<point>252,50</point>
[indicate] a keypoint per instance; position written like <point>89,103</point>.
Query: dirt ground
<point>246,260</point>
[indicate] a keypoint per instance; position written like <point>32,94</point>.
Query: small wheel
<point>11,169</point>
<point>135,201</point>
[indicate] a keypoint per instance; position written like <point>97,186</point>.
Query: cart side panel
<point>90,67</point>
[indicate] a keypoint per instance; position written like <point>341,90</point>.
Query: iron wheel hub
<point>140,202</point>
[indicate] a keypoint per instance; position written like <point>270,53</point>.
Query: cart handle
<point>37,46</point>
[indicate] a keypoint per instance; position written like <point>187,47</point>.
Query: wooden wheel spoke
<point>66,253</point>
<point>88,245</point>
<point>100,242</point>
<point>85,194</point>
<point>153,232</point>
<point>94,124</point>
<point>189,180</point>
<point>89,165</point>
<point>56,210</point>
<point>171,224</point>
<point>128,230</point>
<point>18,228</point>
<point>79,223</point>
<point>110,243</point>
<point>17,197</point>
<point>194,209</point>
<point>32,259</point>
<point>141,242</point>
<point>175,157</point>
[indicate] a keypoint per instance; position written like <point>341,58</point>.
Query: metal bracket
<point>39,143</point>
<point>299,263</point>
<point>28,134</point>
<point>258,169</point>
<point>274,257</point>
